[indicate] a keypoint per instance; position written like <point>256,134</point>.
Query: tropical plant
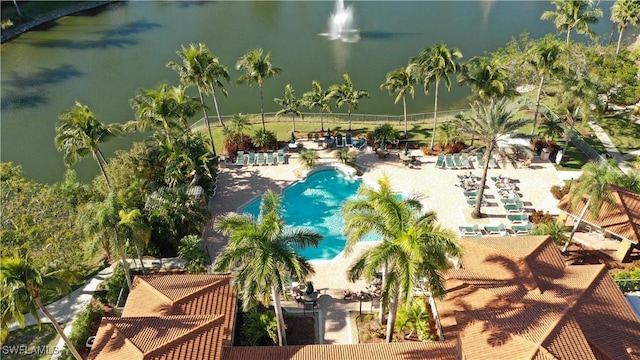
<point>385,132</point>
<point>166,109</point>
<point>134,228</point>
<point>22,288</point>
<point>487,124</point>
<point>487,78</point>
<point>264,139</point>
<point>290,105</point>
<point>81,329</point>
<point>79,132</point>
<point>414,318</point>
<point>412,247</point>
<point>556,229</point>
<point>551,128</point>
<point>345,94</point>
<point>593,184</point>
<point>545,57</point>
<point>191,251</point>
<point>401,81</point>
<point>309,158</point>
<point>625,13</point>
<point>201,68</point>
<point>448,134</point>
<point>261,254</point>
<point>346,157</point>
<point>317,99</point>
<point>573,14</point>
<point>258,323</point>
<point>257,69</point>
<point>432,65</point>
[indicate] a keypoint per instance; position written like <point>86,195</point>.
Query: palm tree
<point>290,104</point>
<point>412,247</point>
<point>573,14</point>
<point>202,69</point>
<point>487,124</point>
<point>79,132</point>
<point>401,81</point>
<point>257,69</point>
<point>593,183</point>
<point>261,253</point>
<point>135,230</point>
<point>448,134</point>
<point>166,109</point>
<point>625,13</point>
<point>22,287</point>
<point>486,78</point>
<point>551,128</point>
<point>433,65</point>
<point>317,99</point>
<point>345,94</point>
<point>545,56</point>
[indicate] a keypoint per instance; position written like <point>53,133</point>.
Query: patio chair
<point>252,158</point>
<point>360,144</point>
<point>521,218</point>
<point>270,159</point>
<point>495,229</point>
<point>339,141</point>
<point>309,136</point>
<point>465,161</point>
<point>449,161</point>
<point>472,202</point>
<point>280,156</point>
<point>516,207</point>
<point>480,158</point>
<point>457,161</point>
<point>348,139</point>
<point>470,194</point>
<point>470,231</point>
<point>316,137</point>
<point>492,162</point>
<point>261,159</point>
<point>440,161</point>
<point>240,158</point>
<point>522,229</point>
<point>511,200</point>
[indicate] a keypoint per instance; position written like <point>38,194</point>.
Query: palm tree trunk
<point>483,180</point>
<point>535,115</point>
<point>58,328</point>
<point>206,121</point>
<point>97,155</point>
<point>575,226</point>
<point>381,310</point>
<point>140,258</point>
<point>391,321</point>
<point>264,128</point>
<point>282,335</point>
<point>349,111</point>
<point>125,265</point>
<point>619,40</point>
<point>215,104</point>
<point>17,8</point>
<point>568,135</point>
<point>435,117</point>
<point>293,121</point>
<point>321,121</point>
<point>404,112</point>
<point>568,35</point>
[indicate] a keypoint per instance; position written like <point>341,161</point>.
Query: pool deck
<point>239,185</point>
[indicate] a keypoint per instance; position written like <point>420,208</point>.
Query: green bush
<point>113,285</point>
<point>309,158</point>
<point>346,157</point>
<point>259,327</point>
<point>82,327</point>
<point>191,252</point>
<point>627,286</point>
<point>415,318</point>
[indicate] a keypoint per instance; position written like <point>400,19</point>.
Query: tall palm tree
<point>573,14</point>
<point>412,247</point>
<point>22,287</point>
<point>166,109</point>
<point>487,123</point>
<point>487,78</point>
<point>317,99</point>
<point>545,57</point>
<point>135,230</point>
<point>290,104</point>
<point>593,183</point>
<point>261,253</point>
<point>401,81</point>
<point>201,68</point>
<point>345,94</point>
<point>257,69</point>
<point>625,13</point>
<point>79,132</point>
<point>433,65</point>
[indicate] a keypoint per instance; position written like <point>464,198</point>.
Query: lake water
<point>101,59</point>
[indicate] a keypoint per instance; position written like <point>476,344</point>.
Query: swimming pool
<point>315,203</point>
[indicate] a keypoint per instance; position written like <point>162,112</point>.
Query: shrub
<point>540,217</point>
<point>191,252</point>
<point>346,157</point>
<point>559,191</point>
<point>632,274</point>
<point>264,139</point>
<point>259,327</point>
<point>81,329</point>
<point>414,318</point>
<point>309,158</point>
<point>370,138</point>
<point>556,229</point>
<point>114,284</point>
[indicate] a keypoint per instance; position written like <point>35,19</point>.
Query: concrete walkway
<point>611,148</point>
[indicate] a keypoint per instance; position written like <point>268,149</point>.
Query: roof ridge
<point>214,318</point>
<point>142,279</point>
<point>124,338</point>
<point>218,282</point>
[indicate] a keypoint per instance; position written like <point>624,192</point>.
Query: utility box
<point>544,155</point>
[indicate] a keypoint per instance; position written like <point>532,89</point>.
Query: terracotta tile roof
<point>576,312</point>
<point>383,351</point>
<point>170,317</point>
<point>622,217</point>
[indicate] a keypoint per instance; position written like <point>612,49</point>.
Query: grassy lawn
<point>30,337</point>
<point>623,132</point>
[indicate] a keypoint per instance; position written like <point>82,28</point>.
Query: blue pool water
<point>315,203</point>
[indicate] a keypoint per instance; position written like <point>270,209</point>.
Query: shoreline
<point>18,30</point>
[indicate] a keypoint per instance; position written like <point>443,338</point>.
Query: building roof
<point>622,217</point>
<point>186,316</point>
<point>522,302</point>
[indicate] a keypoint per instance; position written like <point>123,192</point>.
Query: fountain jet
<point>341,24</point>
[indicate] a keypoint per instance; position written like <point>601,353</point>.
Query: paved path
<point>611,148</point>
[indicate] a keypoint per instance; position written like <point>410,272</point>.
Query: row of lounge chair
<point>494,230</point>
<point>340,141</point>
<point>455,161</point>
<point>253,158</point>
